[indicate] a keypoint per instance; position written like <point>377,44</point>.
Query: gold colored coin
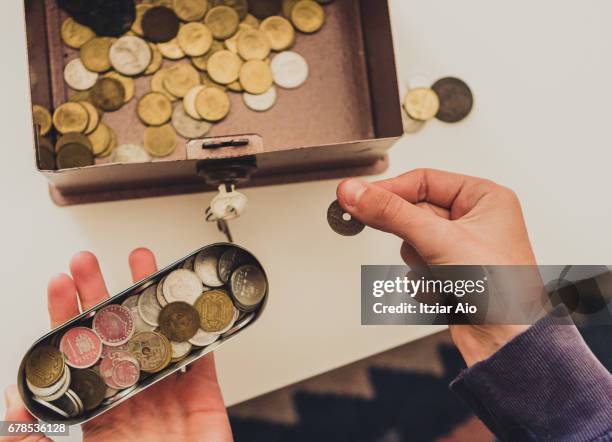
<point>231,43</point>
<point>95,54</point>
<point>94,117</point>
<point>421,103</point>
<point>44,366</point>
<point>216,310</point>
<point>251,21</point>
<point>224,67</point>
<point>73,138</point>
<point>100,139</point>
<point>42,117</point>
<point>181,78</point>
<point>279,31</point>
<point>79,96</point>
<point>70,117</point>
<point>256,77</point>
<point>154,109</point>
<point>171,50</point>
<point>156,60</point>
<point>208,82</point>
<point>253,44</point>
<point>201,62</point>
<point>195,39</point>
<point>160,141</point>
<point>307,16</point>
<point>111,145</point>
<point>190,10</point>
<point>288,7</point>
<point>240,6</point>
<point>157,84</point>
<point>212,104</point>
<point>75,34</point>
<point>137,25</point>
<point>152,350</point>
<point>235,87</point>
<point>127,82</point>
<point>222,21</point>
<point>108,94</point>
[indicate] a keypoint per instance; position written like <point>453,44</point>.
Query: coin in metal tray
<point>203,338</point>
<point>114,324</point>
<point>44,366</point>
<point>179,321</point>
<point>206,265</point>
<point>89,387</point>
<point>180,349</point>
<point>248,287</point>
<point>216,310</point>
<point>81,347</point>
<point>139,324</point>
<point>182,285</point>
<point>152,350</point>
<point>342,222</point>
<point>160,293</point>
<point>188,264</point>
<point>51,407</point>
<point>230,260</point>
<point>54,392</point>
<point>148,306</point>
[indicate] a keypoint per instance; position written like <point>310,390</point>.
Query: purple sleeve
<point>545,384</point>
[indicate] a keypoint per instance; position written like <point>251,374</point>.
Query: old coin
<point>130,55</point>
<point>307,16</point>
<point>190,10</point>
<point>248,287</point>
<point>251,21</point>
<point>231,43</point>
<point>70,117</point>
<point>456,99</point>
<point>189,101</point>
<point>182,285</point>
<point>74,155</point>
<point>139,324</point>
<point>171,50</point>
<point>156,60</point>
<point>262,9</point>
<point>108,94</point>
<point>81,347</point>
<point>216,310</point>
<point>78,77</point>
<point>160,293</point>
<point>140,11</point>
<point>241,6</point>
<point>110,361</point>
<point>201,62</point>
<point>54,391</point>
<point>46,155</point>
<point>128,84</point>
<point>94,117</point>
<point>224,67</point>
<point>212,104</point>
<point>126,373</point>
<point>188,127</point>
<point>260,102</point>
<point>157,84</point>
<point>256,77</point>
<point>202,338</point>
<point>73,138</point>
<point>279,31</point>
<point>342,222</point>
<point>421,103</point>
<point>42,117</point>
<point>206,266</point>
<point>44,366</point>
<point>152,350</point>
<point>114,324</point>
<point>95,54</point>
<point>160,141</point>
<point>253,44</point>
<point>160,24</point>
<point>195,39</point>
<point>89,387</point>
<point>180,350</point>
<point>230,260</point>
<point>179,321</point>
<point>231,323</point>
<point>289,69</point>
<point>129,153</point>
<point>188,264</point>
<point>410,125</point>
<point>75,34</point>
<point>180,79</point>
<point>222,21</point>
<point>154,109</point>
<point>148,307</point>
<point>69,403</point>
<point>209,82</point>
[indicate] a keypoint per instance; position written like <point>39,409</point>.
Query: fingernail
<point>352,191</point>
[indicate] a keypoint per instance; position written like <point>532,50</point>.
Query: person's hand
<point>183,407</point>
<point>446,218</point>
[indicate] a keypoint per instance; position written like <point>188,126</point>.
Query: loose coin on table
<point>78,77</point>
<point>456,99</point>
<point>190,10</point>
<point>280,32</point>
<point>154,109</point>
<point>130,55</point>
<point>289,69</point>
<point>241,6</point>
<point>410,124</point>
<point>343,222</point>
<point>127,82</point>
<point>129,153</point>
<point>180,79</point>
<point>256,77</point>
<point>171,50</point>
<point>75,34</point>
<point>195,39</point>
<point>74,155</point>
<point>188,127</point>
<point>260,102</point>
<point>70,117</point>
<point>160,141</point>
<point>189,101</point>
<point>95,54</point>
<point>253,44</point>
<point>212,104</point>
<point>108,94</point>
<point>160,24</point>
<point>421,103</point>
<point>222,21</point>
<point>224,67</point>
<point>93,117</point>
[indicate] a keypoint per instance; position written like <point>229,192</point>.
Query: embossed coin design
<point>44,366</point>
<point>179,321</point>
<point>206,265</point>
<point>248,287</point>
<point>342,222</point>
<point>182,285</point>
<point>216,310</point>
<point>152,350</point>
<point>148,307</point>
<point>81,346</point>
<point>114,324</point>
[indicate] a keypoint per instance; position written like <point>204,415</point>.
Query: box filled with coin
<point>137,98</point>
<point>142,335</point>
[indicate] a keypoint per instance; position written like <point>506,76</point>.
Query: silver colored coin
<point>289,70</point>
<point>132,304</point>
<point>78,77</point>
<point>121,394</point>
<point>70,403</point>
<point>248,286</point>
<point>51,407</point>
<point>189,101</point>
<point>160,293</point>
<point>188,264</point>
<point>77,400</point>
<point>180,349</point>
<point>202,338</point>
<point>148,307</point>
<point>188,127</point>
<point>130,55</point>
<point>410,125</point>
<point>52,393</point>
<point>260,102</point>
<point>230,260</point>
<point>232,322</point>
<point>206,265</point>
<point>182,285</point>
<point>130,153</point>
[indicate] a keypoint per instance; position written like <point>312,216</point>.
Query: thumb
<point>384,210</point>
<point>15,410</point>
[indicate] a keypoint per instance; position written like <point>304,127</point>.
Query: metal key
<point>228,204</point>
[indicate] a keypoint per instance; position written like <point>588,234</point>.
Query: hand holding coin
<point>191,392</point>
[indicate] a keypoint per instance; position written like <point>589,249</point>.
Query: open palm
<point>185,406</point>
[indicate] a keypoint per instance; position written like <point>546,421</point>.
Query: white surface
<point>540,72</point>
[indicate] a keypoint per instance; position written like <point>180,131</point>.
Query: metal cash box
<point>340,123</point>
<point>43,413</point>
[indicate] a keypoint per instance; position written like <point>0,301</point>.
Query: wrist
<point>479,343</point>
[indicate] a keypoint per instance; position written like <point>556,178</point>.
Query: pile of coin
<point>97,361</point>
<point>449,100</point>
<point>228,45</point>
